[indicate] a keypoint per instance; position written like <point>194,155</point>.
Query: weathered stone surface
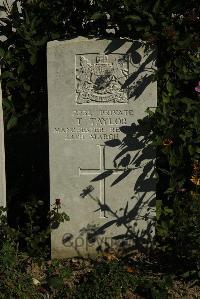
<point>101,157</point>
<point>2,151</point>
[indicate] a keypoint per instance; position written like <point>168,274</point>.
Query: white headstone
<point>2,150</point>
<point>101,158</point>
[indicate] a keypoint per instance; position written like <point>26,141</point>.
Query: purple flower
<point>197,88</point>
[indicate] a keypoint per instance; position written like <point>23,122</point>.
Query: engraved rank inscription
<point>101,81</point>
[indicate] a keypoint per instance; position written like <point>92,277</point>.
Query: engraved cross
<point>98,171</point>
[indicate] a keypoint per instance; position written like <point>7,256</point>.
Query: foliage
<point>14,282</point>
<point>104,280</point>
<point>6,232</point>
<point>57,276</point>
<point>32,231</point>
<point>31,236</point>
<point>180,237</point>
<point>111,280</point>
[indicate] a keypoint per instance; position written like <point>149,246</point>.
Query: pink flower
<point>197,88</point>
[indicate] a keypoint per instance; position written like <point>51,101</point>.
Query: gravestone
<point>2,150</point>
<point>101,155</point>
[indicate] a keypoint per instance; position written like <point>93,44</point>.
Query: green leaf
<point>192,149</point>
<point>170,87</point>
<point>21,68</point>
<point>133,18</point>
<point>6,75</point>
<point>166,99</point>
<point>33,59</point>
<point>12,84</point>
<point>156,6</point>
<point>26,87</point>
<point>12,122</point>
<point>43,40</point>
<point>2,52</point>
<point>66,273</point>
<point>7,103</point>
<point>98,15</point>
<point>188,274</point>
<point>56,282</point>
<point>152,21</point>
<point>185,43</point>
<point>55,35</point>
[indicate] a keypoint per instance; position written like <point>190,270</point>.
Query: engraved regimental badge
<point>102,82</point>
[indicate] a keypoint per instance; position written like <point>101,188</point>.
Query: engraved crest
<point>102,81</point>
